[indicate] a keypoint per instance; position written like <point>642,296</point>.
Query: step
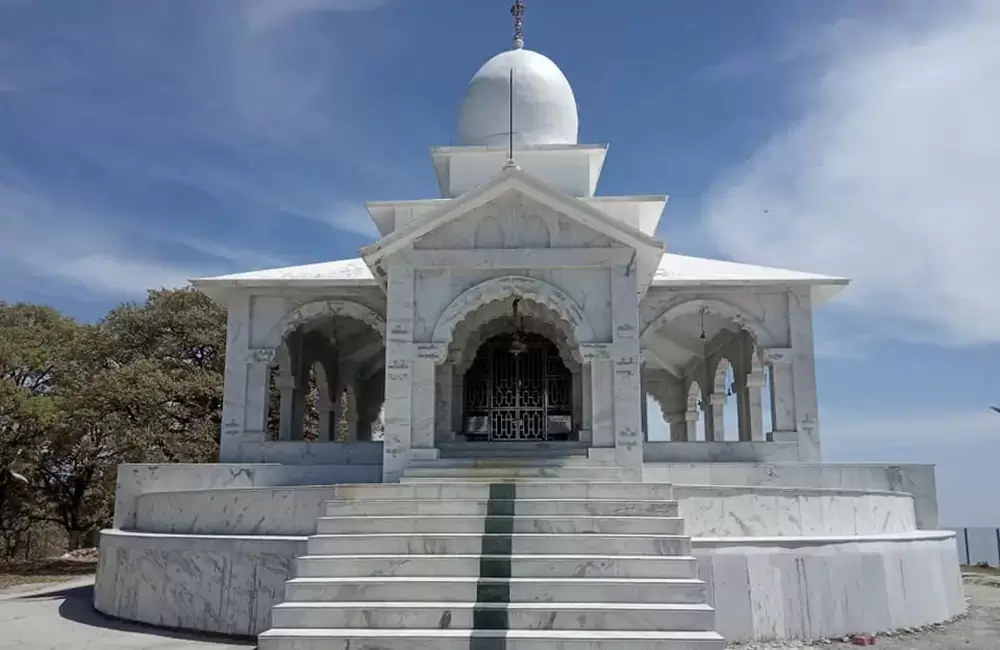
<point>515,590</point>
<point>488,474</point>
<point>434,639</point>
<point>420,524</point>
<point>498,544</point>
<point>477,490</point>
<point>521,507</point>
<point>498,566</point>
<point>507,463</point>
<point>497,449</point>
<point>497,616</point>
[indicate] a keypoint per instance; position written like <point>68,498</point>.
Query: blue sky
<point>143,143</point>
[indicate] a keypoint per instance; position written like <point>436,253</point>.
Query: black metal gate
<point>524,396</point>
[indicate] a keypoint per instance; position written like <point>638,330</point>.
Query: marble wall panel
<point>241,511</point>
<point>810,588</point>
<point>134,480</point>
<point>720,452</point>
<point>225,585</point>
<point>301,452</point>
<point>916,480</point>
<point>717,511</point>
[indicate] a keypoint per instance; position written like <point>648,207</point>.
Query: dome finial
<point>517,10</point>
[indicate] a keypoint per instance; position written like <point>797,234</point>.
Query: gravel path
<point>979,630</point>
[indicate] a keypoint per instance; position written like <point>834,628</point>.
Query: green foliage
<point>143,385</point>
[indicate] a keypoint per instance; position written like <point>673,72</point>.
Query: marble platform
<point>211,550</point>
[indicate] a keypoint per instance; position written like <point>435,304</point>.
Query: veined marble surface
<point>720,452</point>
<point>742,511</point>
<point>806,588</point>
<point>916,480</point>
<point>234,511</point>
<point>206,583</point>
<point>136,479</point>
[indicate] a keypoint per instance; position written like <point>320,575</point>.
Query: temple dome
<point>544,105</point>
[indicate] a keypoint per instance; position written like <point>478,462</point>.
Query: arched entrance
<point>518,388</point>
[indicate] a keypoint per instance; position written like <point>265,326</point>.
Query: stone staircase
<point>550,564</point>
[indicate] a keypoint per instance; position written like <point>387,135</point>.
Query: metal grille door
<point>518,396</point>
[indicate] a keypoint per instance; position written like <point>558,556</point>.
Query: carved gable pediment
<point>517,211</point>
<point>513,221</point>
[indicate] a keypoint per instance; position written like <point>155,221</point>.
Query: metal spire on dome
<point>517,10</point>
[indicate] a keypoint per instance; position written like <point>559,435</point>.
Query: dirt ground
<point>35,572</point>
<point>979,630</point>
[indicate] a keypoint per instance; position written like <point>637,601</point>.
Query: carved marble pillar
<point>457,402</point>
<point>398,360</point>
<point>285,383</point>
<point>678,426</point>
<point>691,425</point>
<point>782,395</point>
<point>586,405</point>
<point>444,393</point>
<point>258,394</point>
<point>644,405</point>
<point>368,397</point>
<point>235,383</point>
<point>755,408</point>
<point>602,372</point>
<point>577,398</point>
<point>627,381</point>
<point>715,426</point>
<point>426,357</point>
<point>804,375</point>
<point>328,404</point>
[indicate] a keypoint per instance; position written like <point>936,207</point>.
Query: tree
<point>143,385</point>
<point>35,355</point>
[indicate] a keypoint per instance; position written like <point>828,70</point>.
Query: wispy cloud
<point>889,176</point>
<point>349,217</point>
<point>918,430</point>
<point>147,145</point>
<point>269,14</point>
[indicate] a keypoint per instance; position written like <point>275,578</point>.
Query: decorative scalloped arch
<point>466,353</point>
<point>722,366</point>
<point>321,308</point>
<point>502,288</point>
<point>716,307</point>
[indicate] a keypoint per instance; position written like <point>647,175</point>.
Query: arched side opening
<point>328,382</point>
<point>713,345</point>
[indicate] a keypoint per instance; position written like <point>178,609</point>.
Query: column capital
<point>436,352</point>
<point>777,355</point>
<point>261,355</point>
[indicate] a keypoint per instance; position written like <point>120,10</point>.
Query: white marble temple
<point>516,267</point>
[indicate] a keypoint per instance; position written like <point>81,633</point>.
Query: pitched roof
<point>672,271</point>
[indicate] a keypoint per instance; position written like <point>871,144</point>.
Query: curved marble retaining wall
<point>762,588</point>
<point>207,583</point>
<point>708,511</point>
<point>742,511</point>
<point>807,588</point>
